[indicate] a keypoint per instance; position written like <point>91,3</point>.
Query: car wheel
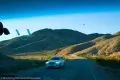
<point>59,65</point>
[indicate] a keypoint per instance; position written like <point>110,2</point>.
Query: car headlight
<point>46,62</point>
<point>57,62</point>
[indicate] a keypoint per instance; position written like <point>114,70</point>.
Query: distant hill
<point>104,45</point>
<point>45,39</point>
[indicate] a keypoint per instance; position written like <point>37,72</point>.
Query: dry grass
<point>76,48</point>
<point>114,56</point>
<point>32,57</point>
<point>36,57</point>
<point>104,45</point>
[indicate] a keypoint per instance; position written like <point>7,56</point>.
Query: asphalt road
<point>75,69</point>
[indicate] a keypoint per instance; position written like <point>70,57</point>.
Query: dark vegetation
<point>13,66</point>
<point>108,61</point>
<point>5,57</point>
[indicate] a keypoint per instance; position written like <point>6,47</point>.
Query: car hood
<point>53,61</point>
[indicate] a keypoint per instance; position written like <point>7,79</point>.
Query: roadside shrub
<point>109,61</point>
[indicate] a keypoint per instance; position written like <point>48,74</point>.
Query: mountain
<point>103,45</point>
<point>45,39</point>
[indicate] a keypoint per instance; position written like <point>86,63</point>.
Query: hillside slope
<point>4,57</point>
<point>104,45</point>
<point>45,39</point>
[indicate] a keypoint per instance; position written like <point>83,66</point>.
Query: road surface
<point>75,69</point>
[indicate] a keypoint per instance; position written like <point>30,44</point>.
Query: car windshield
<point>55,58</point>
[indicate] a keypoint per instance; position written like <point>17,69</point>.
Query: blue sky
<point>102,18</point>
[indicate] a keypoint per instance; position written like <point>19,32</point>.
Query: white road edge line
<point>93,75</point>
